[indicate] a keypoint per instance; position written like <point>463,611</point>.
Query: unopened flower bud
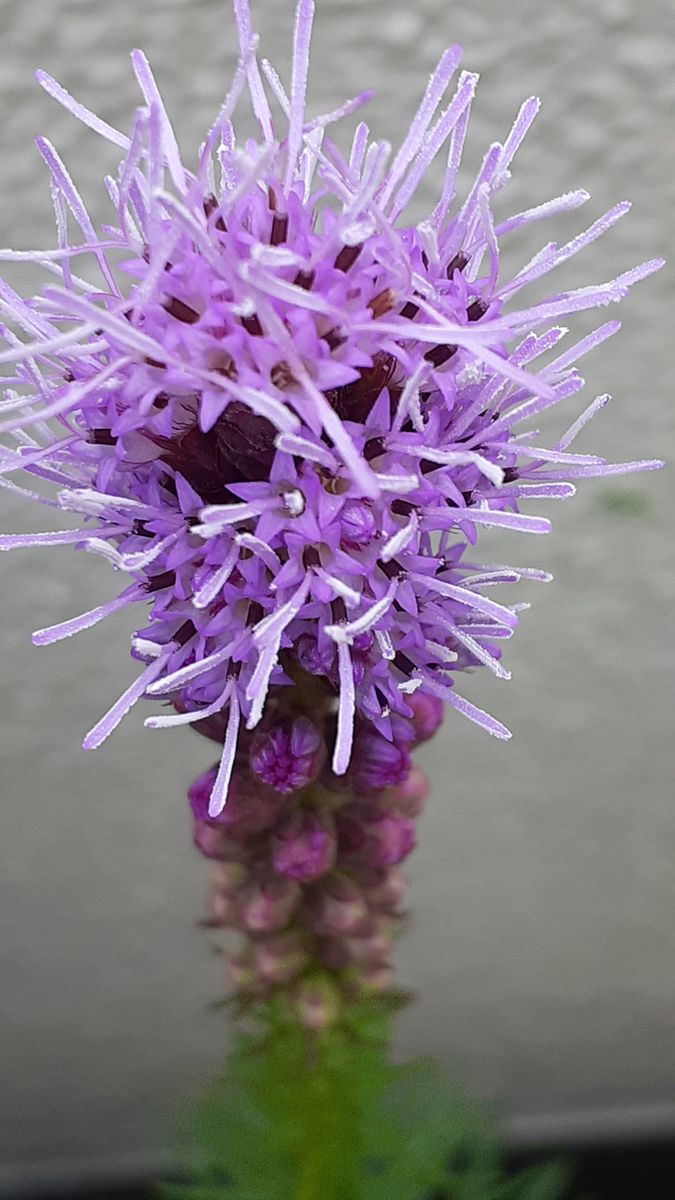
<point>372,949</point>
<point>241,971</point>
<point>288,756</point>
<point>211,840</point>
<point>377,763</point>
<point>373,836</point>
<point>199,792</point>
<point>222,908</point>
<point>317,658</point>
<point>358,524</point>
<point>265,907</point>
<point>281,957</point>
<point>409,797</point>
<point>337,907</point>
<point>247,808</point>
<point>317,1003</point>
<point>304,845</point>
<point>374,979</point>
<point>389,893</point>
<point>229,876</point>
<point>427,715</point>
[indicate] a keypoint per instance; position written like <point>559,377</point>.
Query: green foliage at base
<point>325,1115</point>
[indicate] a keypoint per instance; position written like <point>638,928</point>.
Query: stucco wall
<point>543,947</point>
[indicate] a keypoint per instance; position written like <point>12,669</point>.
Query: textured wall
<point>544,889</point>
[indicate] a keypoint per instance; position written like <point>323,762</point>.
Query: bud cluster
<point>305,868</point>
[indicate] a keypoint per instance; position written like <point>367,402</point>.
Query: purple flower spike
<point>304,846</point>
<point>378,763</point>
<point>288,413</point>
<point>288,756</point>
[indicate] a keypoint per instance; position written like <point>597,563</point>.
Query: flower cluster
<point>306,866</point>
<point>288,415</point>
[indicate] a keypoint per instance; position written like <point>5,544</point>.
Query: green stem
<point>330,1134</point>
<point>311,1183</point>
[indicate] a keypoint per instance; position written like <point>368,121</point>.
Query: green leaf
<point>326,1116</point>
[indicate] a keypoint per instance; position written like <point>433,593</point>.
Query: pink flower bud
<point>409,797</point>
<point>317,1003</point>
<point>336,907</point>
<point>288,756</point>
<point>427,715</point>
<point>371,950</point>
<point>304,845</point>
<point>211,840</point>
<point>222,908</point>
<point>280,958</point>
<point>374,837</point>
<point>375,979</point>
<point>265,907</point>
<point>241,971</point>
<point>229,876</point>
<point>389,892</point>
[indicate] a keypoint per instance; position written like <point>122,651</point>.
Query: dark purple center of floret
<point>353,401</point>
<point>239,447</point>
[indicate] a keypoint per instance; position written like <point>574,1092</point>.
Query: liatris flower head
<point>288,413</point>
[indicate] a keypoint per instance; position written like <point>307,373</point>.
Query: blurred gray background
<point>543,945</point>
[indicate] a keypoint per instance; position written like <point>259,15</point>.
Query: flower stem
<point>311,1183</point>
